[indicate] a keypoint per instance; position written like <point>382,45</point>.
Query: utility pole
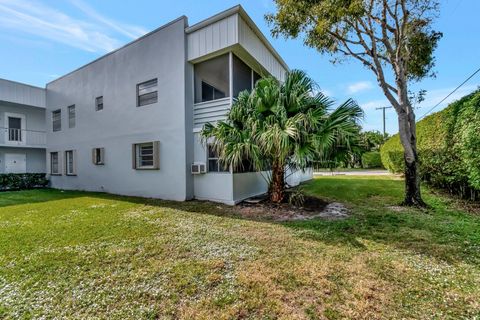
<point>383,109</point>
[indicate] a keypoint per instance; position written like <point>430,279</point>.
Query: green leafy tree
<point>392,38</point>
<point>372,140</point>
<point>280,125</point>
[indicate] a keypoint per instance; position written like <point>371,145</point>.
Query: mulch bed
<point>312,208</point>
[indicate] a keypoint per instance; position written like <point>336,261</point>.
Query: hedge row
<point>19,181</point>
<point>449,148</point>
<point>371,159</point>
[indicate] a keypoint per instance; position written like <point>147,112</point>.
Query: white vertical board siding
<point>250,41</point>
<point>210,111</point>
<point>22,93</point>
<point>213,37</point>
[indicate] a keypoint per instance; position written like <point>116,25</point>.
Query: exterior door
<point>15,163</point>
<point>14,129</point>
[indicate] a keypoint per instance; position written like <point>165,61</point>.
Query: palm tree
<point>280,125</point>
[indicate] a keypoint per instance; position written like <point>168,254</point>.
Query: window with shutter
<point>146,155</point>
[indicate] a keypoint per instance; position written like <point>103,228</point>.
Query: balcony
<point>13,137</point>
<point>217,80</point>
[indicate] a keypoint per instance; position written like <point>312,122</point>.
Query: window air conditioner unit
<point>199,168</point>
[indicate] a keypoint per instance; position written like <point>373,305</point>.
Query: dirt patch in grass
<point>311,208</point>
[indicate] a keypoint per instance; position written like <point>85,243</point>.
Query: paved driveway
<point>354,173</point>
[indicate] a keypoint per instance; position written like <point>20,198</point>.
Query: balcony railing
<point>21,137</point>
<point>210,111</point>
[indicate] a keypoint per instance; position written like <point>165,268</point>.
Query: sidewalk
<point>376,172</point>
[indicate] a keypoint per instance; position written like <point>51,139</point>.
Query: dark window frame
<point>72,154</point>
<point>154,94</point>
<point>98,156</point>
<point>72,121</point>
<point>153,157</point>
<point>98,104</point>
<point>58,172</point>
<point>213,161</point>
<point>59,127</point>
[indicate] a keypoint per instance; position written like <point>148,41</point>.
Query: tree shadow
<point>442,233</point>
<point>20,197</point>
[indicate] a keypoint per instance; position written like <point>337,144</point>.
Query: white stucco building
<point>128,123</point>
<point>22,128</point>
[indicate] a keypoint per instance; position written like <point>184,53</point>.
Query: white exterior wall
<point>35,158</point>
<point>227,32</point>
<point>299,176</point>
<point>252,43</point>
<point>246,185</point>
<point>22,93</point>
<point>27,103</point>
<point>161,55</point>
<point>213,38</point>
<point>33,126</point>
<point>167,54</point>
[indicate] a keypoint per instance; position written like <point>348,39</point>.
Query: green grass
<point>84,255</point>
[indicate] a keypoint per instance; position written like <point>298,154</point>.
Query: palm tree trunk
<point>277,188</point>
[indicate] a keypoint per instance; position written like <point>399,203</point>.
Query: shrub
<point>371,160</point>
<point>19,181</point>
<point>448,145</point>
<point>297,197</point>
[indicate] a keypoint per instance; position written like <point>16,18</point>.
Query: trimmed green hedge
<point>448,145</point>
<point>371,159</point>
<point>20,181</point>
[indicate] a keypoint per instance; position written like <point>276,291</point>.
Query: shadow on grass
<point>443,233</point>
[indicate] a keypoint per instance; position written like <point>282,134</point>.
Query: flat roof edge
<point>229,12</point>
<point>183,17</point>
<point>23,84</point>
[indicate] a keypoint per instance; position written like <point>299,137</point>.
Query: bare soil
<point>312,208</point>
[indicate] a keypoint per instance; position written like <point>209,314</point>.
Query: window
<point>98,156</point>
<point>14,129</point>
<point>70,169</point>
<point>242,77</point>
<point>247,166</point>
<point>57,120</point>
<point>214,164</point>
<point>256,77</point>
<point>146,155</point>
<point>99,103</point>
<point>212,79</point>
<point>54,163</point>
<point>210,92</point>
<point>71,116</point>
<point>147,93</point>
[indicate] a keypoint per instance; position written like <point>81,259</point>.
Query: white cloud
<point>359,86</point>
<point>40,20</point>
<point>371,105</point>
<point>130,31</point>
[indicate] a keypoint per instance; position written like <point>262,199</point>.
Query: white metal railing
<point>22,137</point>
<point>15,135</point>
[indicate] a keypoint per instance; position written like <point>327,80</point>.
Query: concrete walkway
<point>353,173</point>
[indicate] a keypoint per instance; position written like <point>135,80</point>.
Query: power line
<point>466,80</point>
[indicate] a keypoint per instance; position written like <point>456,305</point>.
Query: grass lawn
<point>83,255</point>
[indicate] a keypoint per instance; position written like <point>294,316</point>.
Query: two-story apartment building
<point>128,123</point>
<point>22,128</point>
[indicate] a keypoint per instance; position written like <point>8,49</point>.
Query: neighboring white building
<point>22,128</point>
<point>128,123</point>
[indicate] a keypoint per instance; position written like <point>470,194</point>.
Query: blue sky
<point>43,39</point>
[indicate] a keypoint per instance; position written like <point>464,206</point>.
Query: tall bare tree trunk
<point>277,188</point>
<point>408,138</point>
